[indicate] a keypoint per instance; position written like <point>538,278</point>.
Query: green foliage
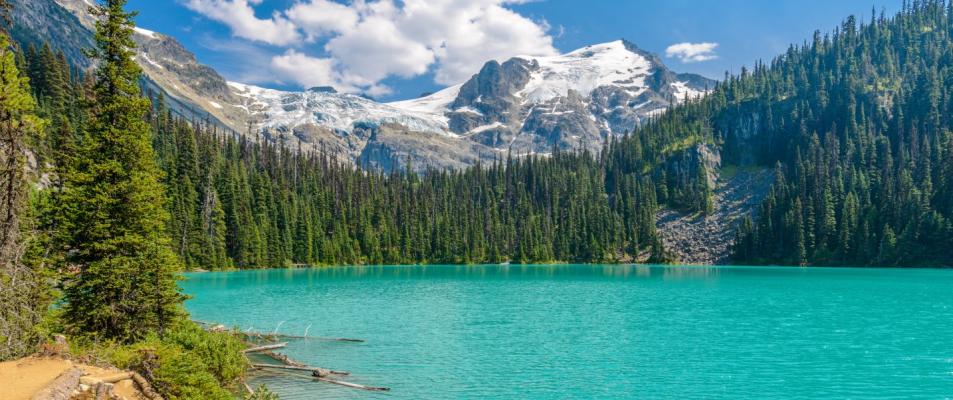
<point>109,215</point>
<point>187,363</point>
<point>220,352</point>
<point>261,393</point>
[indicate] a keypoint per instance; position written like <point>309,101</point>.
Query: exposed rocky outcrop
<point>683,166</point>
<point>561,122</point>
<point>706,239</point>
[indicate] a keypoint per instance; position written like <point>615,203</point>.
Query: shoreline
<point>567,264</point>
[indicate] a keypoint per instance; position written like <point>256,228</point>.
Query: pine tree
<point>23,294</point>
<point>113,223</point>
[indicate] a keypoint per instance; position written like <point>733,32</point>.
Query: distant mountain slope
<point>525,105</point>
<point>39,22</point>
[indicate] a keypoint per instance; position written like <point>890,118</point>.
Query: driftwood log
<point>92,381</point>
<point>352,385</point>
<point>282,358</point>
<point>282,369</point>
<point>316,371</point>
<point>265,347</point>
<point>284,335</point>
<point>320,374</point>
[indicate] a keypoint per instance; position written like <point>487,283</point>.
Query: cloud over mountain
<point>355,46</point>
<point>692,52</point>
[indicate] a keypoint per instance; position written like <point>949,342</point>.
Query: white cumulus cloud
<point>319,18</point>
<point>365,42</point>
<point>692,52</point>
<point>240,17</point>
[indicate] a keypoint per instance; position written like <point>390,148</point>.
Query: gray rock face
<point>170,55</point>
<point>191,90</point>
<point>562,122</point>
<point>39,22</point>
<point>707,239</point>
<point>684,165</point>
<point>391,146</point>
<point>488,96</point>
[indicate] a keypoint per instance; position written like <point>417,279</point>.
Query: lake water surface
<point>600,331</point>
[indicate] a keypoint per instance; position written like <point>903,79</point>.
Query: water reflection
<point>488,271</point>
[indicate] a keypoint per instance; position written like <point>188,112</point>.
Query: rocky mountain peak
<point>570,101</point>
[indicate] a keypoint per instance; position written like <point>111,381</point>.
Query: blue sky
<point>399,49</point>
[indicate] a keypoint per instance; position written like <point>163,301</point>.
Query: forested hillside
<point>858,123</point>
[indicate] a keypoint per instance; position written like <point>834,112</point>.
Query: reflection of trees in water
<point>691,272</point>
<point>480,271</point>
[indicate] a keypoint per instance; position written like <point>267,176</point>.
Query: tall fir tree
<point>112,204</point>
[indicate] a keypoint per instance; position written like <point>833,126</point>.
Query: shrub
<point>188,363</point>
<point>261,393</point>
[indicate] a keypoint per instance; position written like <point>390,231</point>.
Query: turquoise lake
<point>600,331</point>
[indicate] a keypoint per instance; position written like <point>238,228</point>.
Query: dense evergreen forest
<point>859,125</point>
<point>250,204</point>
<point>855,122</point>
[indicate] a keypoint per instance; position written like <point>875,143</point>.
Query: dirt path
<point>24,378</point>
<point>21,379</point>
<point>699,239</point>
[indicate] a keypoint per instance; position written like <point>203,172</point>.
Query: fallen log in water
<point>282,358</point>
<point>265,347</point>
<point>353,385</point>
<point>317,371</point>
<point>329,380</point>
<point>284,335</point>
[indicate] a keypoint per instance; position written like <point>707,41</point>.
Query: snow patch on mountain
<point>145,32</point>
<point>583,70</point>
<point>150,61</point>
<point>436,103</point>
<point>682,91</point>
<point>335,111</point>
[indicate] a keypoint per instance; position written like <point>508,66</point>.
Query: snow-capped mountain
<point>525,105</point>
<point>570,101</point>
